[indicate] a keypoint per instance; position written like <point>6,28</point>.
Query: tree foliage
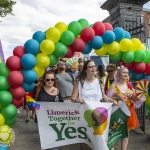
<point>6,7</point>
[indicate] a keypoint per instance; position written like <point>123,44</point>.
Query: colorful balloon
<point>53,34</point>
<point>4,71</point>
<point>147,58</point>
<point>47,47</point>
<point>39,36</point>
<point>139,56</point>
<point>127,35</point>
<point>87,48</point>
<point>137,77</point>
<point>39,71</point>
<point>96,42</point>
<point>4,84</point>
<point>53,59</point>
<point>32,46</point>
<point>127,57</point>
<point>2,120</point>
<point>147,69</point>
<point>125,45</point>
<point>19,51</point>
<point>10,122</point>
<point>61,26</point>
<point>136,44</point>
<point>99,28</point>
<point>102,51</point>
<point>42,60</point>
<point>108,26</point>
<point>28,87</point>
<point>70,53</point>
<point>119,34</point>
<point>83,22</point>
<point>113,48</point>
<point>108,37</point>
<point>139,67</point>
<point>117,57</point>
<point>5,98</point>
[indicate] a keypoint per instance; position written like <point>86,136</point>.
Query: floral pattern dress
<point>115,93</point>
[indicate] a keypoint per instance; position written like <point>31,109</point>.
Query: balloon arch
<point>28,62</point>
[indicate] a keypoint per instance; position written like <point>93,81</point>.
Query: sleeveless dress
<point>132,121</point>
<point>90,91</point>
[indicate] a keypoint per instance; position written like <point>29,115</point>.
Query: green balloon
<point>84,23</point>
<point>91,25</point>
<point>147,58</point>
<point>139,56</point>
<point>60,49</point>
<point>67,37</point>
<point>5,98</point>
<point>10,122</point>
<point>4,85</point>
<point>75,28</point>
<point>4,71</point>
<point>9,112</point>
<point>147,106</point>
<point>127,57</point>
<point>53,59</point>
<point>117,57</point>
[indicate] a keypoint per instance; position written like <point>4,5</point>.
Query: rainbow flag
<point>32,103</point>
<point>2,59</point>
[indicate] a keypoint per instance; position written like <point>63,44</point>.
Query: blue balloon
<point>28,61</point>
<point>32,46</point>
<point>120,33</point>
<point>29,76</point>
<point>131,71</point>
<point>28,87</point>
<point>39,36</point>
<point>146,77</point>
<point>96,42</point>
<point>87,48</point>
<point>108,37</point>
<point>137,77</point>
<point>3,147</point>
<point>127,35</point>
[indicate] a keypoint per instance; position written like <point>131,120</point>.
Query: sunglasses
<point>47,80</point>
<point>63,61</point>
<point>109,70</point>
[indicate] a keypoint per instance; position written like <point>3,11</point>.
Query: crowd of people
<point>88,83</point>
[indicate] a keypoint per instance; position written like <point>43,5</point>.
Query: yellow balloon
<point>39,71</point>
<point>142,47</point>
<point>113,48</point>
<point>42,60</point>
<point>61,26</point>
<point>102,51</point>
<point>125,45</point>
<point>6,135</point>
<point>53,34</point>
<point>47,46</point>
<point>136,44</point>
<point>2,120</point>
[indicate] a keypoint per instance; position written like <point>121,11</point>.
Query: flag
<point>118,124</point>
<point>1,53</point>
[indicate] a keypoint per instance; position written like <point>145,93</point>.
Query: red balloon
<point>17,103</point>
<point>78,45</point>
<point>15,78</point>
<point>70,53</point>
<point>19,51</point>
<point>129,66</point>
<point>17,93</point>
<point>99,28</point>
<point>14,63</point>
<point>147,70</point>
<point>108,26</point>
<point>87,34</point>
<point>139,67</point>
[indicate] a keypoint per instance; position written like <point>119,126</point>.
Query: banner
<point>68,123</point>
<point>1,54</point>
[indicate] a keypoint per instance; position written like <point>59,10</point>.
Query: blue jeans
<point>37,128</point>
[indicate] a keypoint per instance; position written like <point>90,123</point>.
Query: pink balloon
<point>14,63</point>
<point>15,78</point>
<point>147,70</point>
<point>108,26</point>
<point>70,53</point>
<point>17,92</point>
<point>17,103</point>
<point>19,51</point>
<point>87,34</point>
<point>99,28</point>
<point>139,67</point>
<point>78,45</point>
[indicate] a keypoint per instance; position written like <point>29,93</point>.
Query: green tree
<point>6,7</point>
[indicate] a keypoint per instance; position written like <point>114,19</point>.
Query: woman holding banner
<point>87,88</point>
<point>47,92</point>
<point>122,91</point>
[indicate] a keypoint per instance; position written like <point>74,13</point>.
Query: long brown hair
<point>82,75</point>
<point>42,83</point>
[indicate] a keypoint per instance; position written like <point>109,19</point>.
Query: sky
<point>39,15</point>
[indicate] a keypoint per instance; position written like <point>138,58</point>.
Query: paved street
<point>27,138</point>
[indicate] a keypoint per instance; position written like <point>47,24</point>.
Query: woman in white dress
<point>87,88</point>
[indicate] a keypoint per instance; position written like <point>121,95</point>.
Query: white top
<point>90,91</point>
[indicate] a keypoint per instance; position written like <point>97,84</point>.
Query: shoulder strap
<point>71,76</point>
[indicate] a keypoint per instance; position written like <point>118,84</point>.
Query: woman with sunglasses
<point>87,88</point>
<point>109,79</point>
<point>47,92</point>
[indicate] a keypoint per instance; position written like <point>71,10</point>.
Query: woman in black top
<point>47,91</point>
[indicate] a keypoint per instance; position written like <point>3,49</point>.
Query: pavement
<point>27,137</point>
